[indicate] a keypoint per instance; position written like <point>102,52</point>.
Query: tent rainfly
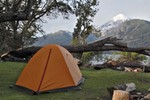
<point>52,68</point>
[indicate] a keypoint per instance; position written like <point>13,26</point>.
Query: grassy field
<point>94,88</point>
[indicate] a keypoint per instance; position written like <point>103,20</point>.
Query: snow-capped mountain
<point>115,22</point>
<point>120,17</point>
<point>134,32</point>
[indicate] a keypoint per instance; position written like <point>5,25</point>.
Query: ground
<point>94,87</point>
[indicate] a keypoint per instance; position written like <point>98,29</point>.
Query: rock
<point>118,87</point>
<point>136,95</point>
<point>121,87</point>
<point>130,87</point>
<point>147,97</point>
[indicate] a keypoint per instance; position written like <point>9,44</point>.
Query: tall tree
<point>85,10</point>
<point>24,18</point>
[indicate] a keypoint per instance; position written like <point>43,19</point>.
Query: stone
<point>147,97</point>
<point>130,87</point>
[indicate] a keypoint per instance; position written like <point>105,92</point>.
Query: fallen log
<point>25,52</point>
<point>122,65</point>
<point>106,44</point>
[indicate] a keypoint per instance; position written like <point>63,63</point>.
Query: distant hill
<point>61,37</point>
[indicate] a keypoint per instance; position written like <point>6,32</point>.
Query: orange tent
<point>51,68</point>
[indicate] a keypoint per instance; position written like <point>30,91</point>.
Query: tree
<point>21,19</point>
<point>85,11</point>
<point>131,57</point>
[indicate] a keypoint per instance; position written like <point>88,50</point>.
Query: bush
<point>131,57</point>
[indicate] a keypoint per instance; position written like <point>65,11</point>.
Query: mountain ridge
<point>115,22</point>
<point>61,37</point>
<point>132,31</point>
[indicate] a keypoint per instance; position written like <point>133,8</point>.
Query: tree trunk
<point>106,44</point>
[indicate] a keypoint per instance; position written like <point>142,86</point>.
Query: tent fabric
<point>52,67</point>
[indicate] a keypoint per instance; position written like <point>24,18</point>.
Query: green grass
<point>94,88</point>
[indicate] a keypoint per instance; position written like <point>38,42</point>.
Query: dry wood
<point>120,95</point>
<point>123,66</point>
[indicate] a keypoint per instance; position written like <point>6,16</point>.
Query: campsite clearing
<point>94,87</point>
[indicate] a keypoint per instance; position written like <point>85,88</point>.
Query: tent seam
<point>44,71</point>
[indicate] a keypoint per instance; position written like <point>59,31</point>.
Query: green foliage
<point>74,41</point>
<point>131,56</point>
<point>99,56</point>
<point>94,87</point>
<point>85,10</point>
<point>20,33</point>
<point>87,56</point>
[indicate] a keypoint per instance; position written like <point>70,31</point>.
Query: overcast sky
<point>107,10</point>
